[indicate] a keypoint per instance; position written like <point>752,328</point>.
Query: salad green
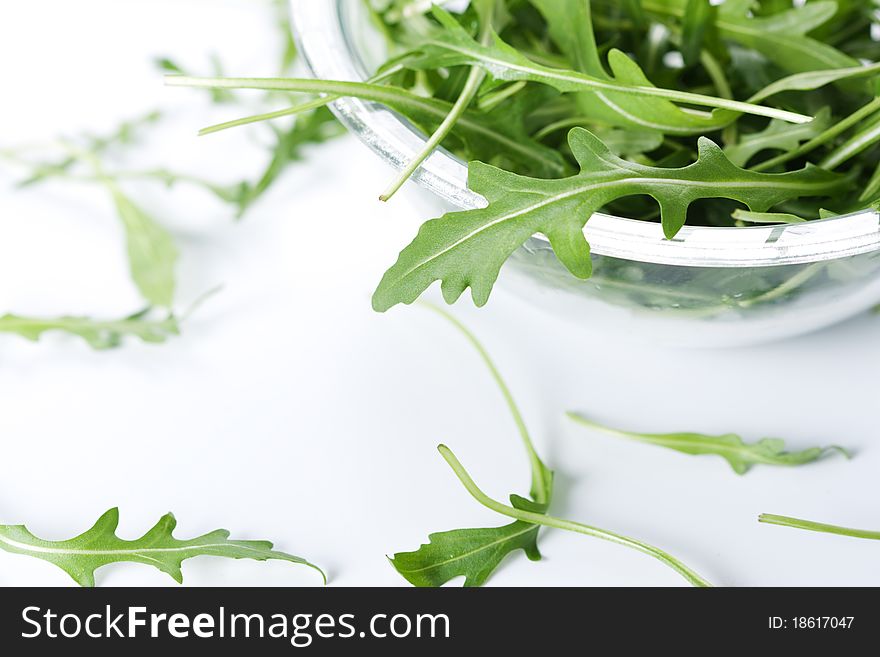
<point>476,553</point>
<point>671,111</point>
<point>732,448</point>
<point>81,556</point>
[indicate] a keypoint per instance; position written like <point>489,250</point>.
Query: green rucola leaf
<point>871,109</point>
<point>740,455</point>
<point>470,553</point>
<point>100,334</point>
<point>80,557</point>
<point>781,38</point>
<point>467,249</point>
<point>539,517</point>
<point>777,136</point>
<point>698,20</point>
<point>151,251</point>
<point>867,136</point>
<point>872,189</point>
<point>570,25</point>
<point>476,553</point>
<point>453,46</point>
<point>812,80</point>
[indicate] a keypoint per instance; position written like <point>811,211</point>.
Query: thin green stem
<point>567,525</point>
<point>809,525</point>
<point>562,124</point>
<point>268,116</point>
<point>716,73</point>
<point>471,85</point>
<point>789,285</point>
<point>394,97</point>
<point>852,147</point>
<point>539,484</point>
<point>746,216</point>
<point>828,135</point>
<point>492,100</point>
<point>585,421</point>
<point>317,103</point>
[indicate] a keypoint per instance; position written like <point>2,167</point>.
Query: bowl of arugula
<point>693,172</point>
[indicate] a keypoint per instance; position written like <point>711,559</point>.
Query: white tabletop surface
<point>288,410</point>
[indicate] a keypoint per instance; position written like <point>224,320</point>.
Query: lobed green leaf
<point>732,448</point>
<point>81,556</point>
<point>467,249</point>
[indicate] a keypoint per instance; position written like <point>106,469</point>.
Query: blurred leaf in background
<point>150,247</point>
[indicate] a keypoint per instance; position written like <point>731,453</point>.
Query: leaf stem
<point>472,84</point>
<point>268,116</point>
<point>475,78</point>
<point>809,525</point>
<point>393,97</point>
<point>568,525</point>
<point>571,79</point>
<point>852,147</point>
<point>314,104</point>
<point>539,484</point>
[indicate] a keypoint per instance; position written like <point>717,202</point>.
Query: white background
<point>288,410</point>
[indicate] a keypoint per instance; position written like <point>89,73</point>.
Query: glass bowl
<point>708,286</point>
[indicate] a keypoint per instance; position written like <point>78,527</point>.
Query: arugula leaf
<point>872,188</point>
<point>472,553</point>
<point>476,553</point>
<point>467,249</point>
<point>545,70</point>
<point>813,80</point>
<point>453,46</point>
<point>152,254</point>
<point>81,556</point>
<point>781,38</point>
<point>151,251</point>
<point>809,525</point>
<point>699,18</point>
<point>98,334</point>
<point>570,26</point>
<point>539,518</point>
<point>740,455</point>
<point>866,137</point>
<point>826,137</point>
<point>778,135</point>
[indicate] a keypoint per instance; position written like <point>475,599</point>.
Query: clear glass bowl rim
<point>327,46</point>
